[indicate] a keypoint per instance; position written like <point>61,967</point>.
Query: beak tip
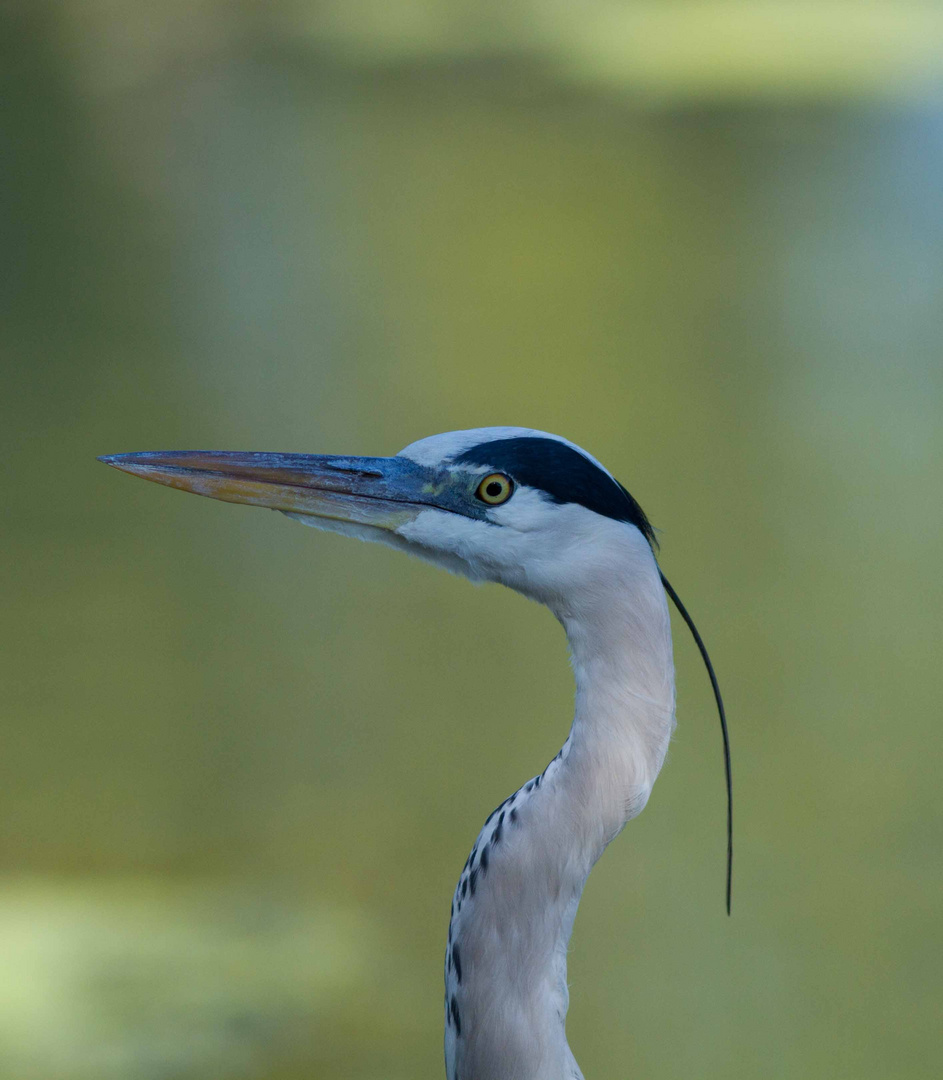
<point>123,462</point>
<point>116,461</point>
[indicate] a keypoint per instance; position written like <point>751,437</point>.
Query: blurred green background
<point>243,762</point>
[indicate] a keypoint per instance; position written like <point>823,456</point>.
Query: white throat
<point>513,911</point>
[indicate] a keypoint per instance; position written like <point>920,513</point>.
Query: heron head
<point>512,505</point>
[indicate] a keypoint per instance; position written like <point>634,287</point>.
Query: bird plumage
<point>514,907</point>
<point>536,513</point>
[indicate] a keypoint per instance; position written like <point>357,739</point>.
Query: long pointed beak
<point>383,492</point>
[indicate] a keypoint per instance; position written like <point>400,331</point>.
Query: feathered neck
<point>516,901</point>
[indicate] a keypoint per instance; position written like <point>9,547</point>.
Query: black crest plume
<point>683,612</point>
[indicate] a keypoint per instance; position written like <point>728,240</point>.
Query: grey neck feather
<point>514,934</point>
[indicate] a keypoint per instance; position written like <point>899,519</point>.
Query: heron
<point>538,514</point>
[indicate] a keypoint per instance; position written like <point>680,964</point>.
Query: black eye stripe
<point>562,473</point>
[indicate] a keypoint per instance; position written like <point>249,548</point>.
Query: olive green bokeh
<point>243,762</point>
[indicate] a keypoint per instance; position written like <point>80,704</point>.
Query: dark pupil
<point>494,489</point>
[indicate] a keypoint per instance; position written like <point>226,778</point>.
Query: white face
<point>546,550</point>
<point>542,549</point>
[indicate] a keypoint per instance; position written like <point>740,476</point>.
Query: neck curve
<point>621,651</point>
<point>514,907</point>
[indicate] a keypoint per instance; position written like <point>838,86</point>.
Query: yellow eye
<point>495,489</point>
